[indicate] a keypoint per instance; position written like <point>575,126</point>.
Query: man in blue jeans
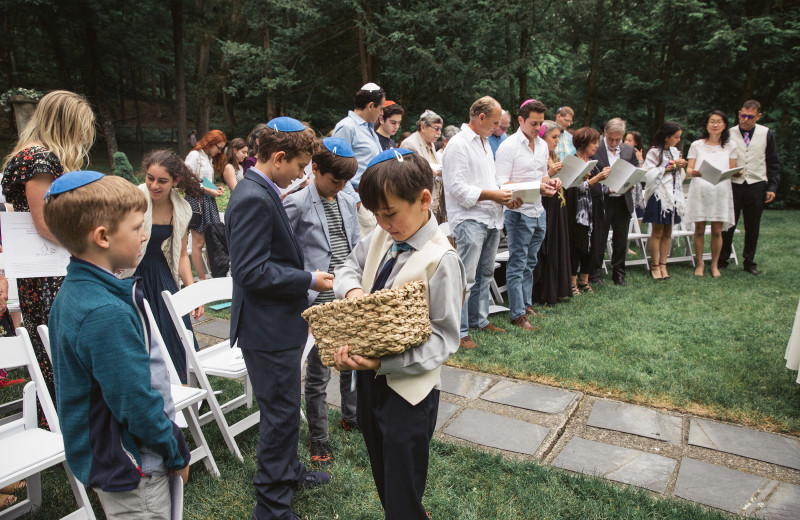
<point>474,211</point>
<point>523,158</point>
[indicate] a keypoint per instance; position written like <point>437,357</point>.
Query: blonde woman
<point>56,140</point>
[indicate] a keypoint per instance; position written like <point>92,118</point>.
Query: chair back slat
<point>201,293</point>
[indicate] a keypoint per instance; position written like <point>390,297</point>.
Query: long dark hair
<point>637,140</point>
<point>725,132</point>
<point>667,129</point>
<point>176,168</point>
<point>235,144</point>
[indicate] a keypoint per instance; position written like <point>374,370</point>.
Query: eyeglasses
<point>504,128</point>
<point>437,129</point>
<point>746,116</point>
<point>716,123</point>
<point>220,148</point>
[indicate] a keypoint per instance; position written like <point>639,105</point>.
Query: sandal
<point>585,287</point>
<point>664,273</point>
<point>575,290</point>
<point>656,269</point>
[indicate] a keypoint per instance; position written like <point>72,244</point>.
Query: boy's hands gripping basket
<point>386,322</point>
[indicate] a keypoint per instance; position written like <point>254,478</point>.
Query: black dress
<point>156,277</point>
<point>551,277</point>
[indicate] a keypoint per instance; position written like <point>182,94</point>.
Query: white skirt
<point>709,203</point>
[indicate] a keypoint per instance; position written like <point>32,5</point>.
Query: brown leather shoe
<point>466,343</point>
<point>530,312</point>
<point>523,323</point>
<point>492,328</point>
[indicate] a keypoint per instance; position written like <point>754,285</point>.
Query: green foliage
<point>252,60</point>
<point>123,168</point>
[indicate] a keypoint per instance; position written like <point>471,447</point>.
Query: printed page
<point>27,254</point>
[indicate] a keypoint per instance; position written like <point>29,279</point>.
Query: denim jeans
<point>525,236</point>
<point>477,246</point>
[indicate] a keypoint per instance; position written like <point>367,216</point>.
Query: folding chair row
<point>25,449</point>
<point>219,360</point>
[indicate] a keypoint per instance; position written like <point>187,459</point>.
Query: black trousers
<point>618,218</point>
<point>748,200</point>
<point>276,385</point>
<point>598,240</point>
<point>398,437</point>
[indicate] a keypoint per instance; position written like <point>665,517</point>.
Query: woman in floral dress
<point>56,140</point>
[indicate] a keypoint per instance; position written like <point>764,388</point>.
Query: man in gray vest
<point>757,183</point>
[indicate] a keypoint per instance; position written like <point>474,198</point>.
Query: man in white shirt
<point>523,158</point>
<point>474,210</point>
<point>358,129</point>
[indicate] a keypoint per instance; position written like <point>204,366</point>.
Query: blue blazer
<point>310,224</point>
<point>269,283</point>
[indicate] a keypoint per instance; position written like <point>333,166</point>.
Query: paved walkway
<point>736,469</point>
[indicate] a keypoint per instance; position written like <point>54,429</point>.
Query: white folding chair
<point>306,350</point>
<point>25,449</point>
<point>183,397</point>
<point>496,292</point>
<point>219,360</point>
<point>636,236</point>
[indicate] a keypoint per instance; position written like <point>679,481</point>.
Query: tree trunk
<point>362,53</point>
<point>270,94</point>
<point>203,109</point>
<point>97,86</point>
<point>522,72</point>
<point>180,82</point>
<point>49,21</point>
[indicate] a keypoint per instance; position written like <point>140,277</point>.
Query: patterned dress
<point>36,295</point>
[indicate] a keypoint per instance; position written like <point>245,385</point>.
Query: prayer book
<point>714,175</point>
<point>527,191</point>
<point>573,170</point>
<point>622,177</point>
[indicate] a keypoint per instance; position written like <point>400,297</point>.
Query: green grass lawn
<point>713,347</point>
<point>463,484</point>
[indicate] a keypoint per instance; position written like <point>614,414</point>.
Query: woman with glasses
<point>421,142</point>
<point>707,202</point>
<point>205,160</point>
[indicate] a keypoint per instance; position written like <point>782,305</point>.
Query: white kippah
<point>370,87</point>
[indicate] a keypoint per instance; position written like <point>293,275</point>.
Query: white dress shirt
<point>612,156</point>
<point>516,162</point>
<point>467,169</point>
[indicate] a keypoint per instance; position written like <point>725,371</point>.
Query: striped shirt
<point>340,247</point>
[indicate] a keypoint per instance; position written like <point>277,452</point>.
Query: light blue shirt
<point>362,138</point>
<point>495,141</point>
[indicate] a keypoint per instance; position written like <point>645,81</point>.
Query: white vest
<point>420,266</point>
<point>752,157</point>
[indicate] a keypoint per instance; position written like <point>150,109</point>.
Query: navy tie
<point>383,276</point>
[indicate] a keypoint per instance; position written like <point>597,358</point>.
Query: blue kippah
<point>286,124</point>
<point>391,153</point>
<point>338,146</point>
<point>70,181</point>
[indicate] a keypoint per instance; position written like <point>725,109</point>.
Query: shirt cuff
<point>313,280</point>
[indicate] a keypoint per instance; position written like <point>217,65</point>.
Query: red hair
<point>212,138</point>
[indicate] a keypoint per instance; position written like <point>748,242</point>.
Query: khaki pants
<point>150,501</point>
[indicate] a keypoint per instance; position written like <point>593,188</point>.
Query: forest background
<point>154,69</point>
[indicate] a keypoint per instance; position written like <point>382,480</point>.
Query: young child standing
<point>398,396</point>
<point>326,234</point>
<point>118,427</point>
<point>270,289</point>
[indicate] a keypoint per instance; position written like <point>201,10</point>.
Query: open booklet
<point>622,177</point>
<point>527,191</point>
<point>715,175</point>
<point>572,171</point>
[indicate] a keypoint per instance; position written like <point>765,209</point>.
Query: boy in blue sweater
<point>112,385</point>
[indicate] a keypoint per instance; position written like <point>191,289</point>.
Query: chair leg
<point>79,490</point>
<point>219,416</point>
<point>35,491</point>
<point>200,440</point>
<point>248,391</point>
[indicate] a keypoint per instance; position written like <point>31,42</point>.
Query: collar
<point>269,181</point>
<point>357,118</point>
<point>423,234</point>
<point>520,135</point>
<point>89,264</point>
<point>470,133</point>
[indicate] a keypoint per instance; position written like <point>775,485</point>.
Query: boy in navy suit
<point>269,293</point>
<point>325,221</point>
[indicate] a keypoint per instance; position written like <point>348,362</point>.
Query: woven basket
<point>386,322</point>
